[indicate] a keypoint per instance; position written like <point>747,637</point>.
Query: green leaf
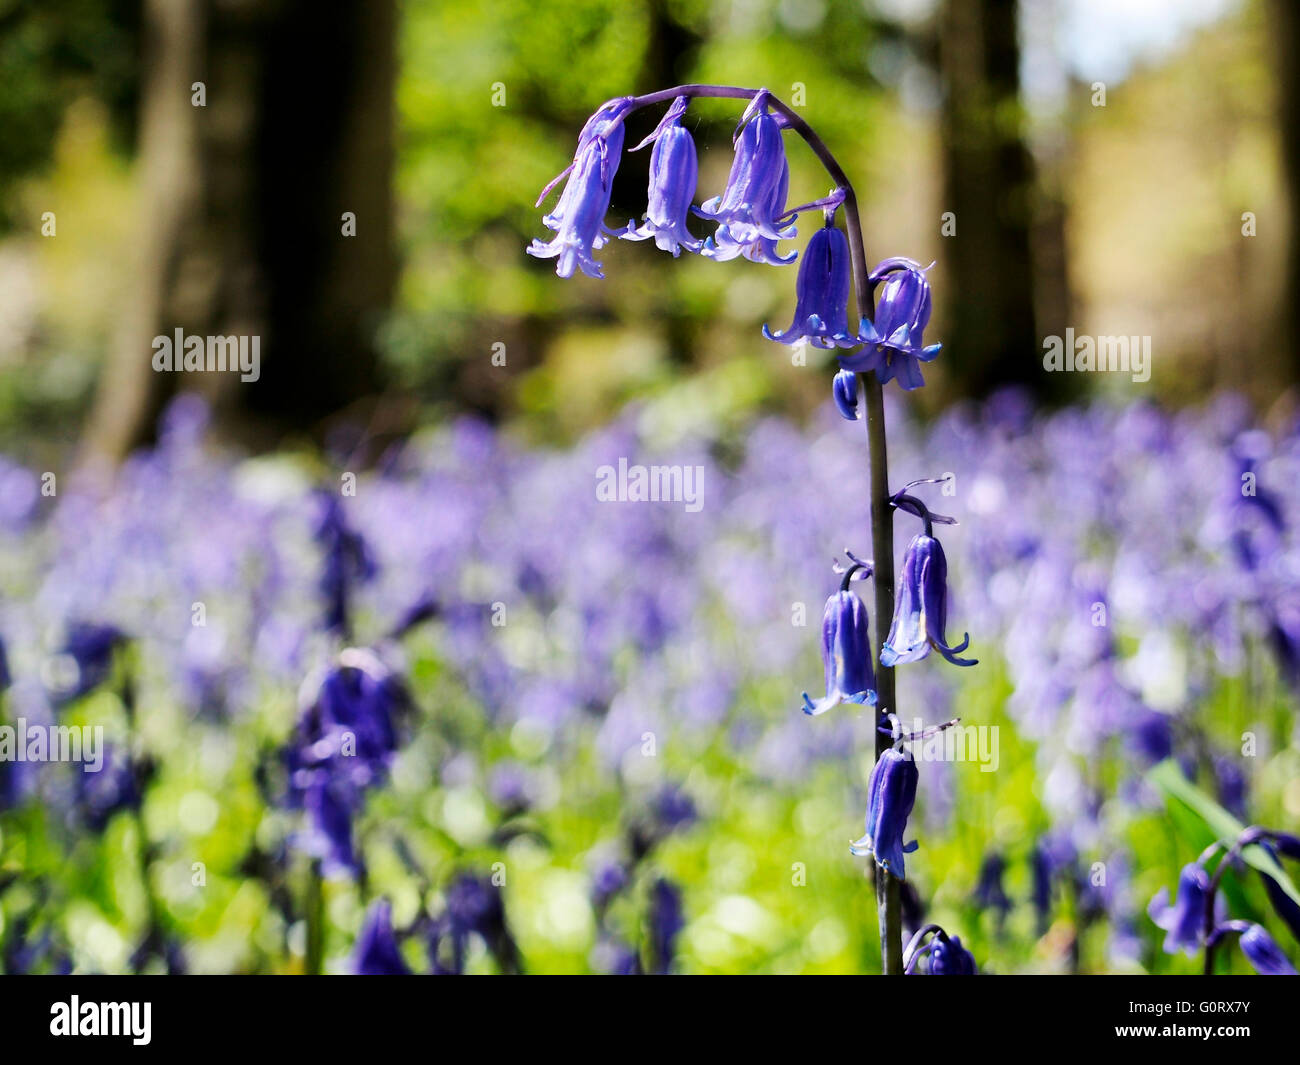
<point>1169,778</point>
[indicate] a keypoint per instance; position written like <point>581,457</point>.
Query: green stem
<point>315,920</point>
<point>888,904</point>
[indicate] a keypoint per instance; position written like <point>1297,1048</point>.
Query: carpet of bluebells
<point>454,714</point>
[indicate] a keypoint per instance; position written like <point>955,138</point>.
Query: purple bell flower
<point>671,809</point>
<point>821,294</point>
<point>475,908</point>
<point>330,807</point>
<point>946,956</point>
<point>1284,844</point>
<point>751,212</point>
<point>345,740</point>
<point>844,390</point>
<point>1283,904</point>
<point>608,880</point>
<point>90,646</point>
<point>846,652</point>
<point>921,609</point>
<point>118,785</point>
<point>892,792</point>
<point>347,561</point>
<point>1185,919</point>
<point>989,894</point>
<point>949,958</point>
<point>614,957</point>
<point>579,217</point>
<point>377,953</point>
<point>666,921</point>
<point>895,342</point>
<point>674,170</point>
<point>348,725</point>
<point>1264,955</point>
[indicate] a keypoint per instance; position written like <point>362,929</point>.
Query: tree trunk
<point>1286,32</point>
<point>989,186</point>
<point>243,212</point>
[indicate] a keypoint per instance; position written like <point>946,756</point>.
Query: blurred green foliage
<point>51,53</point>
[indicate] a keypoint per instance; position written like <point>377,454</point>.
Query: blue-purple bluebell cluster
<point>1197,919</point>
<point>752,217</point>
<point>1120,572</point>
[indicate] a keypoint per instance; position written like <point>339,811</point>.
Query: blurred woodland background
<point>353,182</point>
<point>1122,169</point>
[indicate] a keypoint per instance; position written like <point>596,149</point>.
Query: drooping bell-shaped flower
<point>1264,955</point>
<point>666,921</point>
<point>349,718</point>
<point>921,609</point>
<point>1184,921</point>
<point>989,894</point>
<point>944,954</point>
<point>1284,842</point>
<point>377,953</point>
<point>844,390</point>
<point>118,785</point>
<point>751,212</point>
<point>821,293</point>
<point>674,169</point>
<point>579,217</point>
<point>474,909</point>
<point>949,958</point>
<point>85,660</point>
<point>891,794</point>
<point>1283,904</point>
<point>347,561</point>
<point>846,652</point>
<point>346,736</point>
<point>895,341</point>
<point>330,806</point>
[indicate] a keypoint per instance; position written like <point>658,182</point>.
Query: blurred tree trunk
<point>1286,32</point>
<point>243,201</point>
<point>989,186</point>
